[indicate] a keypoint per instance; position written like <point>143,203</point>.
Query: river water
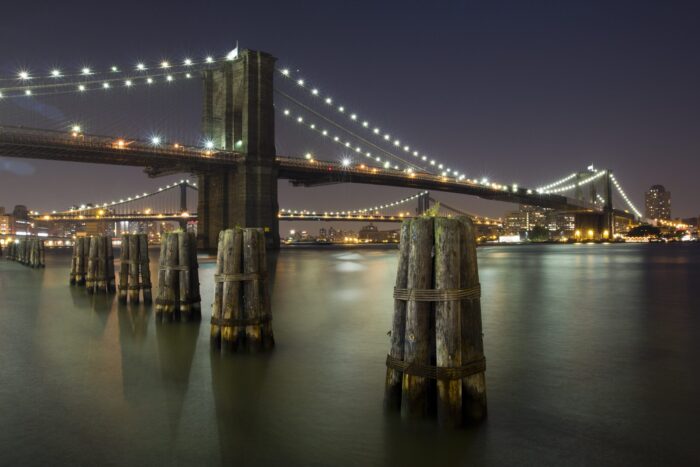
<point>593,358</point>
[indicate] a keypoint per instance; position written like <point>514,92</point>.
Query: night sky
<point>517,91</point>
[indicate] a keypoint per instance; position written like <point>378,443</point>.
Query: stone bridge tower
<point>238,115</point>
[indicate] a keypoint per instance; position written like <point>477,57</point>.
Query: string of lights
<point>89,207</point>
<point>431,165</point>
<point>25,75</point>
<point>357,211</point>
<point>545,188</point>
<point>338,140</point>
<point>346,130</point>
<point>624,196</point>
<point>597,175</point>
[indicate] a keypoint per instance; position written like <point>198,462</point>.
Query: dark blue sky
<point>518,91</point>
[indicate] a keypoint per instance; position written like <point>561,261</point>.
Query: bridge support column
<point>239,116</point>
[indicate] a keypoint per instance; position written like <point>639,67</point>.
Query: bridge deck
<point>61,146</point>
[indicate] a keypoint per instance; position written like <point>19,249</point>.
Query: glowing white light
<point>56,73</point>
<point>300,119</point>
<point>324,133</point>
<point>169,78</point>
<point>76,128</point>
<point>209,144</point>
<point>164,64</point>
<point>341,109</point>
<point>209,59</point>
<point>86,71</point>
<point>28,92</point>
<point>140,66</point>
<point>314,92</point>
<point>329,100</point>
<point>188,62</point>
<point>188,75</point>
<point>105,85</point>
<point>149,80</point>
<point>286,111</point>
<point>155,141</point>
<point>308,155</point>
<point>128,83</point>
<point>81,87</point>
<point>346,162</point>
<point>353,117</point>
<point>115,69</point>
<point>285,72</point>
<point>300,82</point>
<point>387,137</point>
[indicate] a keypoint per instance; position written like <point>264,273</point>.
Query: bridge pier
<point>239,116</point>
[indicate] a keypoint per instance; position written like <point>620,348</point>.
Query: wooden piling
<point>91,265</point>
<point>81,260</point>
<point>166,303</point>
<point>392,396</point>
<point>473,386</point>
<point>268,338</point>
<point>217,306</point>
<point>144,268</point>
<point>124,269</point>
<point>101,267</point>
<point>448,345</point>
<point>183,262</point>
<point>134,273</point>
<point>417,339</point>
<point>194,278</point>
<point>231,333</point>
<point>241,320</point>
<point>436,339</point>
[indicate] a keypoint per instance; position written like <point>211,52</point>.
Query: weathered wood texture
<point>436,352</point>
<point>392,396</point>
<point>178,293</point>
<point>27,251</point>
<point>474,386</point>
<point>241,317</point>
<point>414,403</point>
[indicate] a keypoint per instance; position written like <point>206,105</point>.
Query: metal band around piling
<point>437,295</point>
<point>241,321</point>
<point>433,372</point>
<point>250,276</point>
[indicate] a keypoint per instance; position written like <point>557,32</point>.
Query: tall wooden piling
<point>392,397</point>
<point>241,318</point>
<point>178,293</point>
<point>124,269</point>
<point>144,268</point>
<point>81,259</point>
<point>92,260</point>
<point>474,385</point>
<point>134,272</point>
<point>436,342</point>
<point>414,392</point>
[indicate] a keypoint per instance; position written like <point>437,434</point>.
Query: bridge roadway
<point>29,143</point>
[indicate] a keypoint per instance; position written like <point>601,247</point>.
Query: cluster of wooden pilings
<point>241,316</point>
<point>178,278</point>
<point>27,251</point>
<point>436,363</point>
<point>134,272</point>
<point>92,264</point>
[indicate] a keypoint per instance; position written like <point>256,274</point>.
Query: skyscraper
<point>657,202</point>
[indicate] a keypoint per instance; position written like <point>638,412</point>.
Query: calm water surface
<point>593,359</point>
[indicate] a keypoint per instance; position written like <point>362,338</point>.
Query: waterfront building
<point>657,203</point>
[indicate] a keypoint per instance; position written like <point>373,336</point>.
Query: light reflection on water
<point>591,353</point>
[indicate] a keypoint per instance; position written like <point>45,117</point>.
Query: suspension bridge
<point>177,202</point>
<point>236,162</point>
